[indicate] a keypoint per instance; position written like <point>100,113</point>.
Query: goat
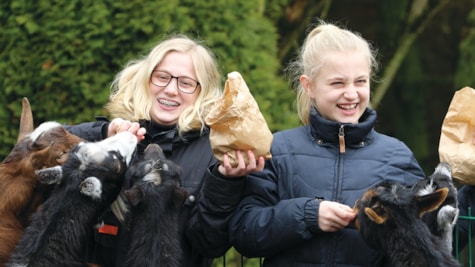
<point>20,194</point>
<point>441,221</point>
<point>88,182</point>
<point>388,218</point>
<point>152,189</point>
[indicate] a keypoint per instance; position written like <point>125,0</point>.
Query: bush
<point>63,55</point>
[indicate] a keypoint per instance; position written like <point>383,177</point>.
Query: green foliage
<point>234,259</point>
<point>63,55</point>
<point>412,109</point>
<point>466,66</point>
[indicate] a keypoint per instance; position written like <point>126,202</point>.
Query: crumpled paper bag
<point>237,124</point>
<point>457,139</point>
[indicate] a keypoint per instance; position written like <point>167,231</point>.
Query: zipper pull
<point>341,138</point>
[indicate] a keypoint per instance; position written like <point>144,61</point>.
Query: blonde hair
<point>130,91</point>
<point>324,38</point>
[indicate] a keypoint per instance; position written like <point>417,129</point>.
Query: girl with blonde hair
<point>298,210</point>
<point>163,98</point>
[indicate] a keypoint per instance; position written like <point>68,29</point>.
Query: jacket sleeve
<point>207,229</point>
<point>466,198</point>
<point>263,224</point>
<point>91,131</point>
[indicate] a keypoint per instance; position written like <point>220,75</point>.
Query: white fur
<point>44,127</point>
<point>124,143</point>
<point>444,170</point>
<point>92,187</point>
<point>446,218</point>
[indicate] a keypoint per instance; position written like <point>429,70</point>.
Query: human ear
<point>306,85</point>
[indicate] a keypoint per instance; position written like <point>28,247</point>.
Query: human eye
<point>187,82</point>
<point>163,76</point>
<point>361,81</point>
<point>337,84</point>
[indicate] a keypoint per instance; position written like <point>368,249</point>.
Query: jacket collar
<point>166,137</point>
<point>328,131</point>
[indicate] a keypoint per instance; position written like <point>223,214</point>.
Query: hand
<point>241,169</point>
<point>120,125</point>
<point>334,216</point>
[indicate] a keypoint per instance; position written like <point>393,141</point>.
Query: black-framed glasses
<point>185,84</point>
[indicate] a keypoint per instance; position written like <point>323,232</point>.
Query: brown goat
<point>20,193</point>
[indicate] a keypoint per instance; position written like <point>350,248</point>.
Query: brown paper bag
<point>237,124</point>
<point>457,139</point>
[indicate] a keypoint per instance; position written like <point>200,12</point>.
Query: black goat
<point>155,200</point>
<point>89,182</point>
<point>441,221</point>
<point>388,218</point>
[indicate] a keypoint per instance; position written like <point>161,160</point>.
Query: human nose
<point>172,88</point>
<point>351,92</point>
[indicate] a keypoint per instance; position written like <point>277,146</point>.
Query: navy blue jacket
<point>207,210</point>
<point>278,217</point>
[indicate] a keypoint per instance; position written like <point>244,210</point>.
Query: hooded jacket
<point>206,211</point>
<point>324,160</point>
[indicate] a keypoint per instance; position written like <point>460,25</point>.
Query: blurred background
<point>63,55</point>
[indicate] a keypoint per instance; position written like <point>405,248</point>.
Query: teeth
<point>168,103</point>
<point>349,106</point>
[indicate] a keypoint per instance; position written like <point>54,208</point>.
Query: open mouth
<point>168,103</point>
<point>347,106</point>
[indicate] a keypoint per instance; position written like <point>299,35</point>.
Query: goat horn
<point>26,120</point>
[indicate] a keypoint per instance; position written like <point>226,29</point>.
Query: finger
<point>344,214</point>
<point>251,165</point>
<point>113,127</point>
<point>125,126</point>
<point>260,164</point>
<point>226,163</point>
<point>340,223</point>
<point>120,125</point>
<point>240,159</point>
<point>133,128</point>
<point>224,166</point>
<point>141,134</point>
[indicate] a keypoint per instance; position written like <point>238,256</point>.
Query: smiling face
<point>169,101</point>
<point>341,88</point>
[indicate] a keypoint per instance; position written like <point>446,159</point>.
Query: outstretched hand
<point>254,165</point>
<point>120,125</point>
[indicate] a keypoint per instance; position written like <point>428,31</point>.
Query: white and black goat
<point>152,189</point>
<point>441,221</point>
<point>388,217</point>
<point>89,182</point>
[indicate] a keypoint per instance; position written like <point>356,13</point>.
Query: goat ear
<point>377,215</point>
<point>432,201</point>
<point>52,175</point>
<point>134,195</point>
<point>41,158</point>
<point>153,151</point>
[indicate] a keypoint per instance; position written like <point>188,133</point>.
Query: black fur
<point>441,221</point>
<point>388,218</point>
<point>91,180</point>
<point>155,198</point>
